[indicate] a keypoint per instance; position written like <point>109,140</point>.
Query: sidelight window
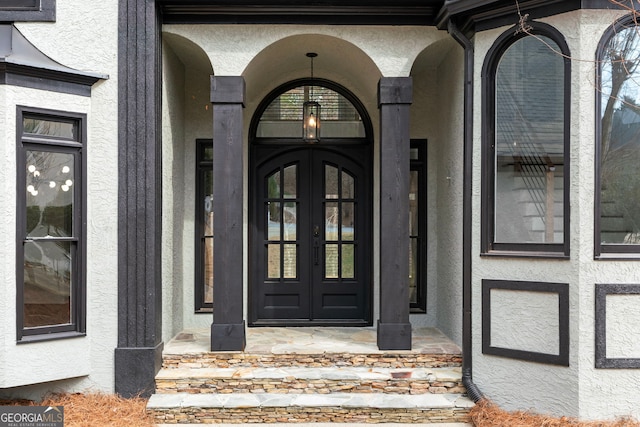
<point>418,226</point>
<point>50,225</point>
<point>204,226</point>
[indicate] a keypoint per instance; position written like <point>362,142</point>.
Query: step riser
<point>309,415</point>
<point>232,360</point>
<point>194,385</point>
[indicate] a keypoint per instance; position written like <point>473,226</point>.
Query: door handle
<point>316,231</point>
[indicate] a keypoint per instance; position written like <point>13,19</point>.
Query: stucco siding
<point>83,37</point>
<point>172,191</point>
<point>519,384</point>
<point>580,389</point>
<point>525,321</point>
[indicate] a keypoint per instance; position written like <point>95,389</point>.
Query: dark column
<point>227,97</point>
<point>139,353</point>
<point>394,98</point>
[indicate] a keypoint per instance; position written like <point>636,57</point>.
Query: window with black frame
<point>418,226</point>
<point>51,225</point>
<point>526,145</point>
<point>204,226</point>
<point>617,190</point>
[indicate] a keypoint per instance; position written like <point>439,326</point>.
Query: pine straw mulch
<point>108,410</point>
<point>94,409</point>
<point>487,414</point>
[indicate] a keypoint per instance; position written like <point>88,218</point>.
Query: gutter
<point>473,391</point>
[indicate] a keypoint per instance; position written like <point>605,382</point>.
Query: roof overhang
<point>478,15</point>
<point>373,12</point>
<point>22,64</point>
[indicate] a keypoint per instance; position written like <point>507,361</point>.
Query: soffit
<point>374,12</point>
<point>479,15</point>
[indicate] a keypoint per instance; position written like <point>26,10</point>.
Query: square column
<point>394,99</point>
<point>228,327</point>
<point>138,356</point>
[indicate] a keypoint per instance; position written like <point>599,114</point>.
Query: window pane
<point>47,283</point>
<point>290,182</point>
<point>529,162</point>
<point>273,185</point>
<point>207,153</point>
<point>331,182</point>
<point>619,150</point>
<point>348,186</point>
<point>208,203</point>
<point>283,117</point>
<point>348,211</point>
<point>348,261</point>
<point>290,221</point>
<point>413,271</point>
<point>413,203</point>
<point>331,221</point>
<point>208,270</point>
<point>49,193</point>
<point>273,221</point>
<point>290,261</point>
<point>273,261</point>
<point>50,127</point>
<point>331,261</point>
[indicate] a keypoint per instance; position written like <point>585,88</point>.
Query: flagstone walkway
<point>314,340</point>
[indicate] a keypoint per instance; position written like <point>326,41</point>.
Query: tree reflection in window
<point>619,149</point>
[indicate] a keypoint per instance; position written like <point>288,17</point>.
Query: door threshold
<point>295,323</point>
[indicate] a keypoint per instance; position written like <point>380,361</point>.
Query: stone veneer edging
<point>236,359</point>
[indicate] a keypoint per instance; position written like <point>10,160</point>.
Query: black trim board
<point>562,289</point>
<point>140,198</point>
<point>602,361</point>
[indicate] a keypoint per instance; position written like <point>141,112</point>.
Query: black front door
<point>310,235</point>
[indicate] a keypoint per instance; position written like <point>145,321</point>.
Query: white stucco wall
<point>172,191</point>
<point>448,185</point>
<point>83,37</point>
<point>517,384</point>
<point>579,389</point>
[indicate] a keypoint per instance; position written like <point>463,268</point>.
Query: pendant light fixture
<point>311,112</point>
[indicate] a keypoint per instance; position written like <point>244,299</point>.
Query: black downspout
<point>473,391</point>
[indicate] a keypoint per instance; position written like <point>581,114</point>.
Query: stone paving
<point>313,340</point>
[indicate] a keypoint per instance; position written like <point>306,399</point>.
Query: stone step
<point>399,359</point>
<point>310,380</point>
<point>212,408</point>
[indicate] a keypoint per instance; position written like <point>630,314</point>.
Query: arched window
<point>525,197</point>
<point>617,193</point>
<point>280,116</point>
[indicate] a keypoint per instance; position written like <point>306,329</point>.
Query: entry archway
<point>311,210</point>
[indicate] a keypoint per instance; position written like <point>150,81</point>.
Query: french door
<point>310,235</point>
